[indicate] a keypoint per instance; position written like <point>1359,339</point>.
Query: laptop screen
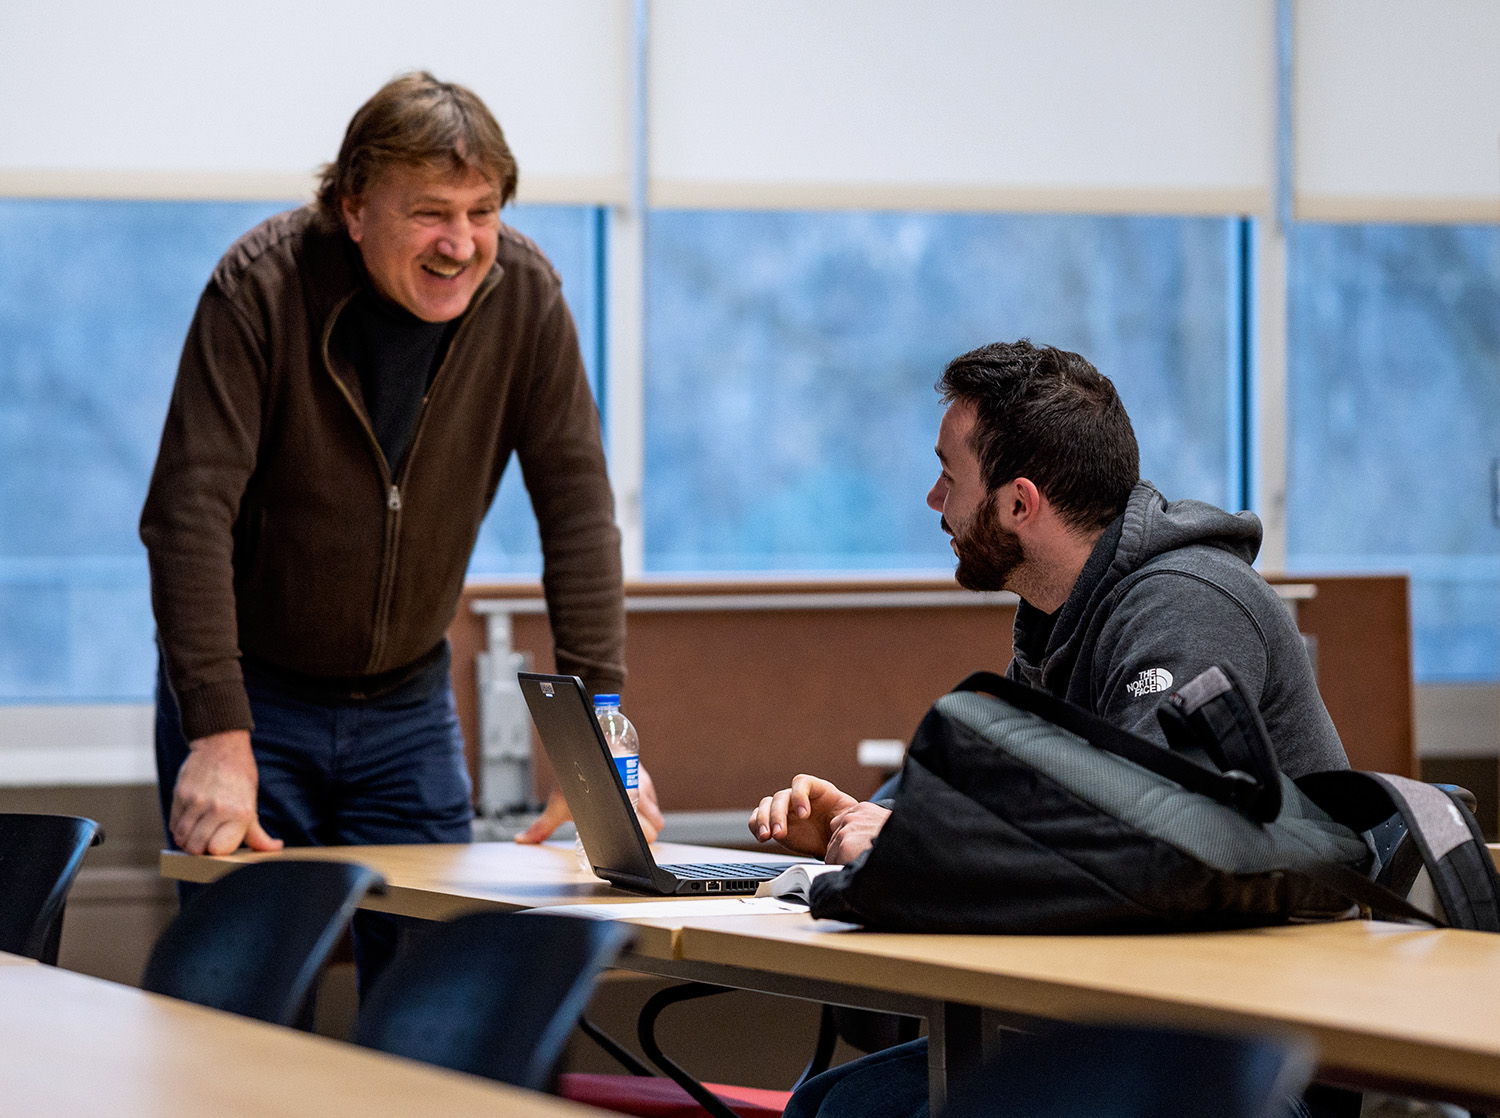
<point>586,772</point>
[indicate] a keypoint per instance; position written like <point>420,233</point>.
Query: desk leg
<point>955,1048</point>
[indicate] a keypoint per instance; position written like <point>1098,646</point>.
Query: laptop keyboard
<point>752,871</point>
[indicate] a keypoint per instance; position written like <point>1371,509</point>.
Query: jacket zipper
<point>381,634</point>
<point>387,575</point>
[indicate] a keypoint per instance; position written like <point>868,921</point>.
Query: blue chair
<point>255,941</point>
<point>1102,1072</point>
<point>39,859</point>
<point>493,994</point>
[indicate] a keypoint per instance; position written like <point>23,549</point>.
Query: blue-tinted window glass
<point>1394,414</point>
<point>95,298</point>
<point>569,235</point>
<point>791,357</point>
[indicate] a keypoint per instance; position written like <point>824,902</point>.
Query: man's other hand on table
<point>213,804</point>
<point>647,810</point>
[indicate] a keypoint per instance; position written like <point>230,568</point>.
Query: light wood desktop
<point>1390,1005</point>
<point>72,1046</point>
<point>438,882</point>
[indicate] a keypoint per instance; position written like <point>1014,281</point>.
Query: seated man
<point>1123,593</point>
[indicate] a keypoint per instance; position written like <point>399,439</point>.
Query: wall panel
<point>1397,110</point>
<point>1068,106</point>
<point>177,98</point>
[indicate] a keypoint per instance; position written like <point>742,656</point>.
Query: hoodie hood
<point>1047,645</point>
<point>1153,525</point>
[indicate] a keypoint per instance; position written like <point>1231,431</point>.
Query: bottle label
<point>629,768</point>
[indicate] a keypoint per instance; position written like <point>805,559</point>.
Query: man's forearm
<point>208,451</point>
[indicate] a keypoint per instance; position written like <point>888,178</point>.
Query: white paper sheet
<point>689,909</point>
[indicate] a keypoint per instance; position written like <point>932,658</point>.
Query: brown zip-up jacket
<point>273,524</point>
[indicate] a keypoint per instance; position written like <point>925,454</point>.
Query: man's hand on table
<point>802,818</point>
<point>556,812</point>
<point>213,804</point>
<point>854,830</point>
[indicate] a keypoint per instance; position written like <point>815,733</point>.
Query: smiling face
<point>428,237</point>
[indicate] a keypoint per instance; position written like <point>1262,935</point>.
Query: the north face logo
<point>1150,681</point>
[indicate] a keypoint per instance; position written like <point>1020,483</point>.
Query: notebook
<point>564,717</point>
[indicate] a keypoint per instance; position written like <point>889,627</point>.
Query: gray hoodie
<point>1167,592</point>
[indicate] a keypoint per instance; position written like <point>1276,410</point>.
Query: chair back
<point>39,859</point>
<point>1104,1072</point>
<point>493,994</point>
<point>254,941</point>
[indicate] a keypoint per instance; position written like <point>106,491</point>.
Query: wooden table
<point>438,882</point>
<point>1390,1006</point>
<point>1408,1009</point>
<point>78,1047</point>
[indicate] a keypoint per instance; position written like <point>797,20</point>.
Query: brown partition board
<point>732,703</point>
<point>1361,625</point>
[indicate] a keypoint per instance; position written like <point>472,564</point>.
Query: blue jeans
<point>352,773</point>
<point>893,1084</point>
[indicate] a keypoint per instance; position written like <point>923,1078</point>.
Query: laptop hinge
<point>630,881</point>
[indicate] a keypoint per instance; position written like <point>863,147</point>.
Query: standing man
<point>355,380</point>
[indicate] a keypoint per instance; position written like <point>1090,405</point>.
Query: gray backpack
<point>1018,812</point>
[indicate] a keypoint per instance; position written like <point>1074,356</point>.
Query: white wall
<point>1072,105</point>
<point>1397,110</point>
<point>196,98</point>
<point>98,743</point>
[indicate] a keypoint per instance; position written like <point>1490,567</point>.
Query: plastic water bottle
<point>625,745</point>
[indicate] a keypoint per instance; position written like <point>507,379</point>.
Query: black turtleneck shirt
<point>396,355</point>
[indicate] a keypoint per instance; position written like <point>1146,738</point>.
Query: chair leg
<point>623,1055</point>
<point>1332,1102</point>
<point>54,940</point>
<point>646,1032</point>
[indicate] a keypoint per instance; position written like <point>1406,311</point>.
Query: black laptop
<point>602,811</point>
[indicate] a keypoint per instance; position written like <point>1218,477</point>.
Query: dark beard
<point>987,553</point>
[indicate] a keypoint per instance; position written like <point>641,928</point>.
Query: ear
<point>353,212</point>
<point>1020,502</point>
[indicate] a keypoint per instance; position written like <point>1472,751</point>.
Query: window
<point>1394,424</point>
<point>572,238</point>
<point>95,298</point>
<point>791,357</point>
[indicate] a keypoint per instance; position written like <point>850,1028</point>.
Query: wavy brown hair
<point>416,120</point>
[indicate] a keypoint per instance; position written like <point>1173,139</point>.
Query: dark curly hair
<point>1050,416</point>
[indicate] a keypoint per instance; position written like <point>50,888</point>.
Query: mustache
<point>442,260</point>
<point>943,524</point>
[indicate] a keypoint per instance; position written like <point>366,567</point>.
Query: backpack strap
<point>1361,890</point>
<point>1238,789</point>
<point>1438,824</point>
<point>1211,713</point>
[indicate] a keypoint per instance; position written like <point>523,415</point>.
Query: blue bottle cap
<point>606,700</point>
